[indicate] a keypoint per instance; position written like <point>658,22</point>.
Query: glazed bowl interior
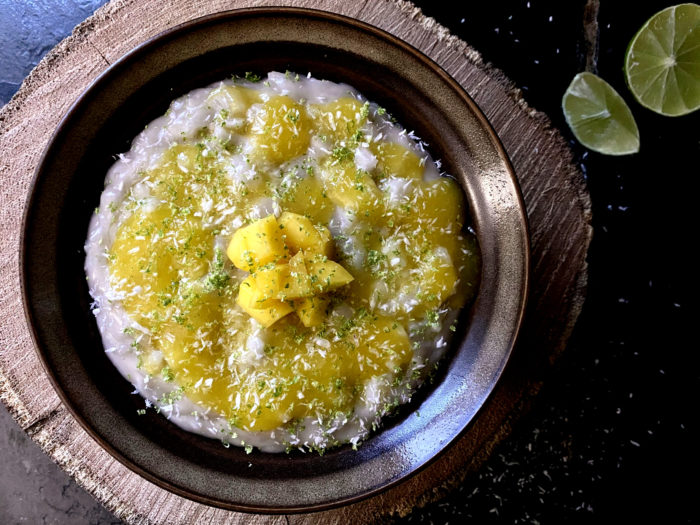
<point>139,88</point>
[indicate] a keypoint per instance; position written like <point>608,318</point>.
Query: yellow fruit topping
<point>280,131</point>
<point>308,273</point>
<point>312,311</point>
<point>257,244</point>
<point>326,276</point>
<point>266,314</point>
<point>355,240</point>
<point>353,189</point>
<point>298,283</point>
<point>301,234</point>
<point>393,160</point>
<point>339,120</point>
<point>233,103</point>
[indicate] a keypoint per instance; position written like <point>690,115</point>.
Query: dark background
<point>613,434</point>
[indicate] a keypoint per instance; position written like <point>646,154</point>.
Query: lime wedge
<point>662,64</point>
<point>599,117</point>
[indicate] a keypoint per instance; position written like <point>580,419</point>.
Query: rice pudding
<point>277,264</point>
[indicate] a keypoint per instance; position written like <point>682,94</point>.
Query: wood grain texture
<point>558,210</point>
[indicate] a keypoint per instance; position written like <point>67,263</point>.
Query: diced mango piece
<point>312,310</point>
<point>340,119</point>
<point>384,347</point>
<point>353,189</point>
<point>434,282</point>
<point>327,275</point>
<point>280,131</point>
<point>442,198</point>
<point>297,263</point>
<point>235,100</point>
<point>237,251</point>
<point>301,234</point>
<point>436,215</point>
<point>305,195</point>
<point>280,282</point>
<point>394,160</point>
<point>438,280</point>
<point>257,244</point>
<point>266,316</point>
<point>297,283</point>
<point>266,284</point>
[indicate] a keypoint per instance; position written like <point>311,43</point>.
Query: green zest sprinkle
<point>167,374</point>
<point>433,318</point>
<point>252,77</point>
<point>343,153</point>
<point>218,279</point>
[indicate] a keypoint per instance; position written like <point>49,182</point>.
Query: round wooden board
<point>557,203</point>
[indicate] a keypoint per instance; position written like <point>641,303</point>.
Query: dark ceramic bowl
<point>137,89</point>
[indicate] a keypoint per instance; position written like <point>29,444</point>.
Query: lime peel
<point>599,117</point>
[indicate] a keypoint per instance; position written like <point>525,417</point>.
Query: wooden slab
<point>557,203</point>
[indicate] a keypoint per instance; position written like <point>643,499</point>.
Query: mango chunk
<point>434,281</point>
<point>233,101</point>
<point>442,198</point>
<point>353,189</point>
<point>340,119</point>
<point>438,281</point>
<point>384,347</point>
<point>305,195</point>
<point>266,284</point>
<point>280,131</point>
<point>257,244</point>
<point>279,283</point>
<point>301,234</point>
<point>260,247</point>
<point>326,276</point>
<point>266,316</point>
<point>312,310</point>
<point>395,160</point>
<point>297,283</point>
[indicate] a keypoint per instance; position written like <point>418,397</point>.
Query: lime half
<point>599,117</point>
<point>662,64</point>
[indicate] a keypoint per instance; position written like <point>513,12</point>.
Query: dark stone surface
<point>29,29</point>
<point>34,490</point>
<point>613,434</point>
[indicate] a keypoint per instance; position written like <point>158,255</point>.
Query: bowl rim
<point>171,33</point>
